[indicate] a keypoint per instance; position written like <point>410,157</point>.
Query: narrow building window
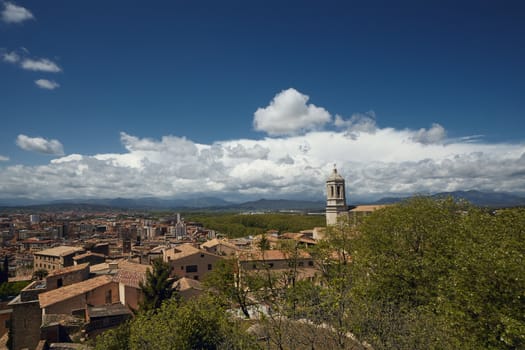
<point>191,268</point>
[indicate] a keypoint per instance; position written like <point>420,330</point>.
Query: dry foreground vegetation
<point>423,274</point>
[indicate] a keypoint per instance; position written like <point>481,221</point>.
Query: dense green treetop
<point>239,225</point>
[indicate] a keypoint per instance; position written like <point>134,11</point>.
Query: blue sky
<point>406,97</point>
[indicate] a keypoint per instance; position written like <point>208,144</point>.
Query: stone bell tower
<point>335,198</point>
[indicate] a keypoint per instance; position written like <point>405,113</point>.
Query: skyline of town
<point>238,101</point>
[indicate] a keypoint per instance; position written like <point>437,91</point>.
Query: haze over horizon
<point>249,100</point>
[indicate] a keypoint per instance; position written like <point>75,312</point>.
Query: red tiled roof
<point>273,254</point>
<point>67,270</point>
<point>57,295</point>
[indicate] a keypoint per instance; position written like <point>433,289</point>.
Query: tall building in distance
<point>335,198</point>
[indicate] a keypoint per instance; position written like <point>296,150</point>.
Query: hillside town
<point>86,269</point>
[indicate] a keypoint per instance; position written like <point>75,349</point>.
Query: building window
<point>310,263</point>
<point>108,297</point>
<point>182,267</point>
<point>300,263</point>
<point>60,283</point>
<point>196,278</point>
<point>191,268</point>
<point>209,266</point>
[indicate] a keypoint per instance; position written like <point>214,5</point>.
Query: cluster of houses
<point>85,292</point>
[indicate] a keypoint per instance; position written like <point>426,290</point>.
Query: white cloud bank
<point>47,84</point>
<point>40,145</point>
<point>375,161</point>
<point>15,14</point>
<point>3,158</point>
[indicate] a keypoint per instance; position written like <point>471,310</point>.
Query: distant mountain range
<point>485,199</point>
<point>203,203</point>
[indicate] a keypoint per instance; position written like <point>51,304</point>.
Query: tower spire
<point>335,197</point>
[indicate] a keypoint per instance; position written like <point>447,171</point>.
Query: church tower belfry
<point>335,198</point>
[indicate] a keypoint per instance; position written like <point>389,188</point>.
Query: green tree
<point>157,287</point>
<point>484,296</point>
<point>228,282</point>
<point>440,274</point>
<point>200,323</point>
<point>114,339</point>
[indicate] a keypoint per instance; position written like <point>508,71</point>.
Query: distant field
<point>239,225</point>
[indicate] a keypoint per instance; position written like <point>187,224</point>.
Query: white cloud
<point>47,84</point>
<point>40,65</point>
<point>15,14</point>
<point>240,151</point>
<point>3,158</point>
<point>40,145</point>
<point>377,162</point>
<point>387,162</point>
<point>11,57</point>
<point>289,114</point>
<point>435,134</point>
<point>358,123</point>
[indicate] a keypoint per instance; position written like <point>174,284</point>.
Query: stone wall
<point>26,320</point>
<point>65,279</point>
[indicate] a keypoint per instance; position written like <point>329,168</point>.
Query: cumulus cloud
<point>435,134</point>
<point>375,162</point>
<point>289,113</point>
<point>358,123</point>
<point>47,84</point>
<point>39,145</point>
<point>15,14</point>
<point>255,152</point>
<point>10,57</point>
<point>40,65</point>
<point>3,158</point>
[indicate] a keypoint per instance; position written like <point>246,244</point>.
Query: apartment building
<point>188,261</point>
<point>55,258</point>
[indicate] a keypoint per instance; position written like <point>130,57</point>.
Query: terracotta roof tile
<point>85,255</point>
<point>185,283</point>
<point>273,254</point>
<point>184,250</point>
<point>67,270</point>
<point>60,251</point>
<point>57,295</point>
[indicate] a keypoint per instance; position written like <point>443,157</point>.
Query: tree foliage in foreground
<point>447,274</point>
<point>197,324</point>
